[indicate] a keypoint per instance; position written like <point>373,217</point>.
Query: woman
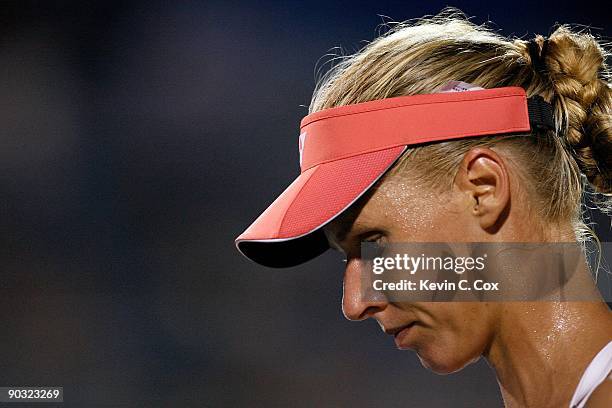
<point>387,155</point>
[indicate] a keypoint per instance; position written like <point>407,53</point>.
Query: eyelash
<point>376,238</point>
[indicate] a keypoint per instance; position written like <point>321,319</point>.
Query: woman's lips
<point>402,336</point>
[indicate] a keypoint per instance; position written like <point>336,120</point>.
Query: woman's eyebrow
<point>342,232</point>
<point>337,235</point>
<point>350,228</point>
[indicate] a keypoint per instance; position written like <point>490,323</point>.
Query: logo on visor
<point>301,145</point>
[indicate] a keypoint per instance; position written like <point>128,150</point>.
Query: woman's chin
<point>443,362</point>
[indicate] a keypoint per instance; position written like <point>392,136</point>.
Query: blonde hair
<point>568,69</point>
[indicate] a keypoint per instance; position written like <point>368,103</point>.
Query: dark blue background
<point>138,139</point>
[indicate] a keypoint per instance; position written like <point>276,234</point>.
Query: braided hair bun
<point>574,64</point>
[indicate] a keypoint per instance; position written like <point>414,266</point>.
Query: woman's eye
<point>374,246</point>
<point>376,239</point>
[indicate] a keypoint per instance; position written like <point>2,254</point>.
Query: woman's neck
<point>541,349</point>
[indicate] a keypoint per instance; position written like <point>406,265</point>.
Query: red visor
<point>345,150</point>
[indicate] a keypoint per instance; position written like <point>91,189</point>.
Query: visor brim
<point>290,231</point>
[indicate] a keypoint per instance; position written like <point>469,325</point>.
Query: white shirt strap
<point>595,374</point>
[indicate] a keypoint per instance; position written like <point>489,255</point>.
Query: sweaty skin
<point>538,350</point>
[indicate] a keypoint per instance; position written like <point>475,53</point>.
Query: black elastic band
<point>536,54</point>
<point>540,113</point>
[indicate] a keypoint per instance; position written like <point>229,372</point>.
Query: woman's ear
<point>483,176</point>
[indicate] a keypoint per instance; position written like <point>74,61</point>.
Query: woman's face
<point>446,335</point>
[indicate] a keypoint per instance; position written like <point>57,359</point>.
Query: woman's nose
<point>359,300</point>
